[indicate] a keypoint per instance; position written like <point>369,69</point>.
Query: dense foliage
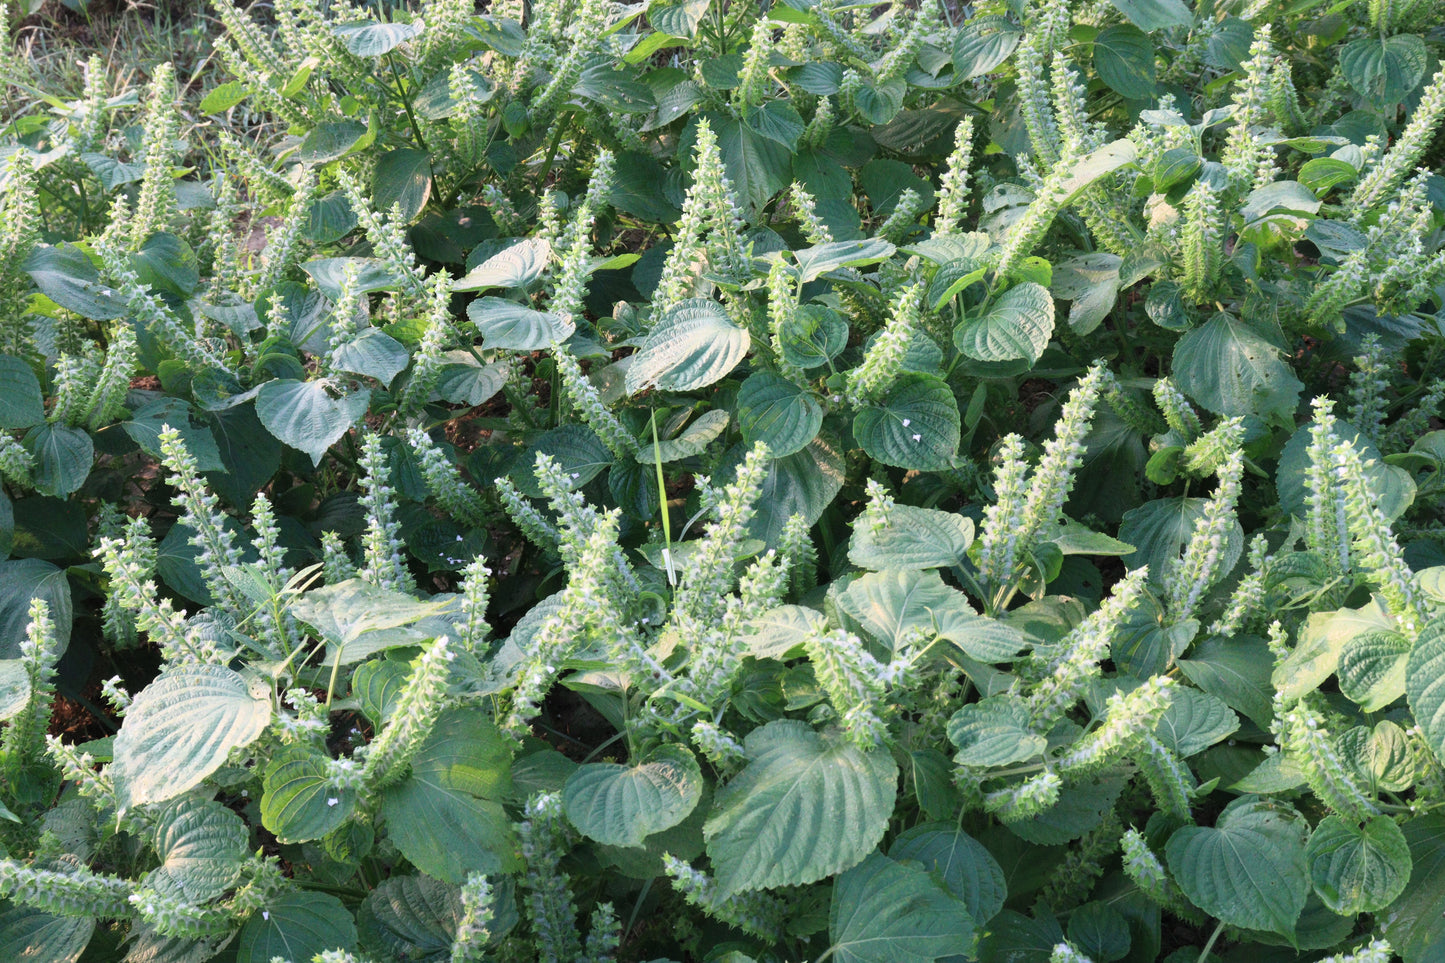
<point>693,481</point>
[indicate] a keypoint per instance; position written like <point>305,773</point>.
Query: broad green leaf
<point>1091,282</point>
<point>1279,195</point>
<point>1233,370</point>
<point>515,267</point>
<point>359,619</point>
<point>807,806</point>
<point>1385,69</point>
<point>888,912</point>
<point>1194,721</point>
<point>776,634</point>
<point>578,451</point>
<point>299,803</point>
<point>306,414</point>
<point>202,846</point>
<point>373,274</point>
<point>515,327</point>
<point>445,816</point>
<point>816,261</point>
<point>15,687</point>
<point>1319,644</point>
<point>916,425</point>
<point>693,345</point>
<point>296,925</point>
<point>402,179</point>
<point>1372,669</point>
<point>635,189</point>
<point>622,805</point>
<point>1124,60</point>
<point>1080,810</point>
<point>804,483</point>
<point>987,640</point>
<point>758,166</point>
<point>679,18</point>
<point>1249,869</point>
<point>63,456</point>
<point>66,276</point>
<point>146,424</point>
<point>880,103</point>
<point>773,410</point>
<point>110,172</point>
<point>376,685</point>
<point>31,936</point>
<point>367,38</point>
<point>412,918</point>
<point>692,440</point>
<point>776,121</point>
<point>888,603</point>
<point>961,863</point>
<point>372,353</point>
<point>1017,327</point>
<point>1160,529</point>
<point>1358,869</point>
<point>1415,922</point>
<point>330,141</point>
<point>1151,15</point>
<point>1236,670</point>
<point>983,44</point>
<point>912,537</point>
<point>463,381</point>
<point>224,97</point>
<point>1425,685</point>
<point>22,580</point>
<point>21,404</point>
<point>167,263</point>
<point>181,727</point>
<point>994,732</point>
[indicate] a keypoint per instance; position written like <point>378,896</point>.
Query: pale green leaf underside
<point>180,728</point>
<point>622,805</point>
<point>807,806</point>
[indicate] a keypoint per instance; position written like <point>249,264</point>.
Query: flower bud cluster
<point>472,933</point>
<point>74,893</point>
<point>285,246</point>
<point>1086,645</point>
<point>383,563</point>
<point>170,915</point>
<point>1333,780</point>
<point>883,361</point>
<point>416,712</point>
<point>1129,718</point>
<point>1026,799</point>
<point>755,912</point>
<point>1203,560</point>
<point>444,480</point>
<point>549,905</point>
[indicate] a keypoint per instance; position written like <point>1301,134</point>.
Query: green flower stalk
<point>532,523</point>
<point>79,769</point>
<point>1047,24</point>
<point>1129,718</point>
<point>1330,777</point>
<point>782,315</point>
<point>549,906</point>
<point>1025,800</point>
<point>815,134</point>
<point>795,547</point>
<point>856,683</point>
<point>427,364</point>
<point>19,233</point>
<point>74,893</point>
<point>172,916</point>
<point>953,191</point>
<point>570,287</point>
<point>1029,230</point>
<point>1326,521</point>
<point>586,31</point>
<point>719,746</point>
<point>1244,149</point>
<point>585,397</point>
<point>1079,135</point>
<point>116,622</point>
<point>156,203</point>
<point>504,213</point>
<point>1133,412</point>
<point>755,912</point>
<point>1178,412</point>
<point>805,210</point>
<point>387,235</point>
<point>753,81</point>
<point>1247,601</point>
<point>1369,384</point>
<point>201,513</point>
<point>383,564</point>
<point>883,361</point>
<point>1066,953</point>
<point>903,218</point>
<point>1169,780</point>
<point>1201,243</point>
<point>604,935</point>
<point>17,465</point>
<point>107,396</point>
<point>416,712</point>
<point>1087,644</point>
<point>1389,171</point>
<point>88,132</point>
<point>710,228</point>
<point>444,480</point>
<point>336,564</point>
<point>1376,951</point>
<point>23,741</point>
<point>1202,563</point>
<point>473,933</point>
<point>1073,879</point>
<point>129,563</point>
<point>74,376</point>
<point>1146,871</point>
<point>998,535</point>
<point>1374,543</point>
<point>285,246</point>
<point>151,312</point>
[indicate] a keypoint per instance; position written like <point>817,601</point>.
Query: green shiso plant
<point>692,481</point>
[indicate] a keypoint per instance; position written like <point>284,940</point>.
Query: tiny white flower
<point>265,914</point>
<point>332,801</point>
<point>917,437</point>
<point>907,422</point>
